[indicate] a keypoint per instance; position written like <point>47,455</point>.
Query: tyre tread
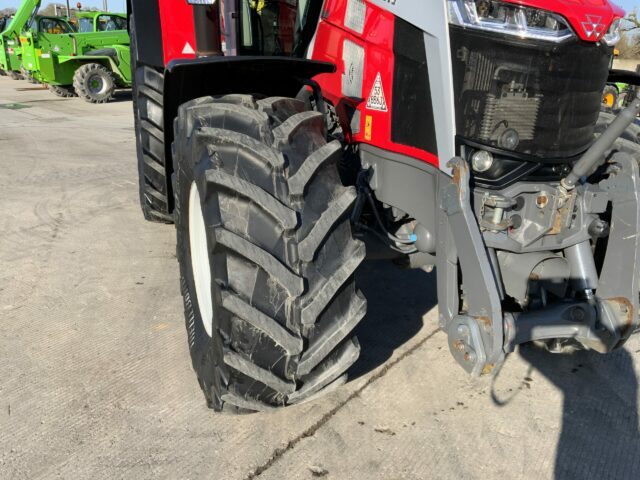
<point>276,209</point>
<point>250,369</point>
<point>337,208</point>
<point>270,154</point>
<point>293,283</point>
<point>321,299</point>
<point>290,343</point>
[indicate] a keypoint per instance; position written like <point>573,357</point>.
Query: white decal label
<point>188,49</point>
<point>376,99</point>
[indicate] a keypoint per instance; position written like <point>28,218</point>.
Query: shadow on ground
<point>122,96</point>
<point>31,89</point>
<point>397,300</point>
<point>118,96</point>
<point>599,437</point>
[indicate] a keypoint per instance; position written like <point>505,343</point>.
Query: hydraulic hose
<point>390,236</point>
<point>590,159</point>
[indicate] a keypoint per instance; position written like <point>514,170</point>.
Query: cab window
<point>54,26</point>
<point>85,25</point>
<point>108,23</point>
<point>277,27</point>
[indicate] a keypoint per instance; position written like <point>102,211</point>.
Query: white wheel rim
<point>200,259</point>
<point>96,84</point>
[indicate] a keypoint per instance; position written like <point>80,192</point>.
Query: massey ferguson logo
<point>592,27</point>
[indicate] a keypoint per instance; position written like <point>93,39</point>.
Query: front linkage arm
<point>475,337</point>
<point>482,334</point>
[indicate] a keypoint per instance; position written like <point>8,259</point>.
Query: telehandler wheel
<point>27,75</point>
<point>94,83</point>
<point>609,98</point>
<point>62,91</point>
<point>154,186</point>
<point>267,256</point>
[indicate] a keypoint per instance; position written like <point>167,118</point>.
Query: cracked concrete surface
<point>96,379</point>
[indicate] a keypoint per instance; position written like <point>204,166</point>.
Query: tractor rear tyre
<point>266,252</point>
<point>62,91</point>
<point>156,195</point>
<point>94,83</point>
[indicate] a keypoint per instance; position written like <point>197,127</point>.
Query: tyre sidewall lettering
<point>205,350</point>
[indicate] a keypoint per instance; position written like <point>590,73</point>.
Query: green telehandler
<point>45,26</point>
<point>25,18</point>
<point>3,23</point>
<point>10,51</point>
<point>618,95</point>
<point>89,64</point>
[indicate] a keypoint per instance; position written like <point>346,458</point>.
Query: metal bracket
<point>482,334</point>
<point>466,346</point>
<point>619,281</point>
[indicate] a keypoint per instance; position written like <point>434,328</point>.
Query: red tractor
<point>289,139</point>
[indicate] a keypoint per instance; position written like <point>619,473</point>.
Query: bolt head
<point>542,200</point>
<point>577,314</point>
<point>462,329</point>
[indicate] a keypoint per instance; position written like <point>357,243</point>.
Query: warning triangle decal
<point>376,99</point>
<point>188,49</point>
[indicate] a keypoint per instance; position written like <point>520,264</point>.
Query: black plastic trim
<point>148,32</point>
<point>527,170</point>
<point>187,79</point>
<point>624,76</point>
<point>412,120</point>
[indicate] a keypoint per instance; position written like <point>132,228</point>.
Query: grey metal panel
<point>403,182</point>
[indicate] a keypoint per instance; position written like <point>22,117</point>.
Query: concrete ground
<point>95,376</point>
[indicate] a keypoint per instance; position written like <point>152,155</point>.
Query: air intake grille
<point>516,112</point>
<point>528,97</point>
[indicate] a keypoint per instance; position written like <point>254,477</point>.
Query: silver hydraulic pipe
<point>584,275</point>
<point>590,159</point>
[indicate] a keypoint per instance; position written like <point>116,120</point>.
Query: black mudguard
<point>187,79</point>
